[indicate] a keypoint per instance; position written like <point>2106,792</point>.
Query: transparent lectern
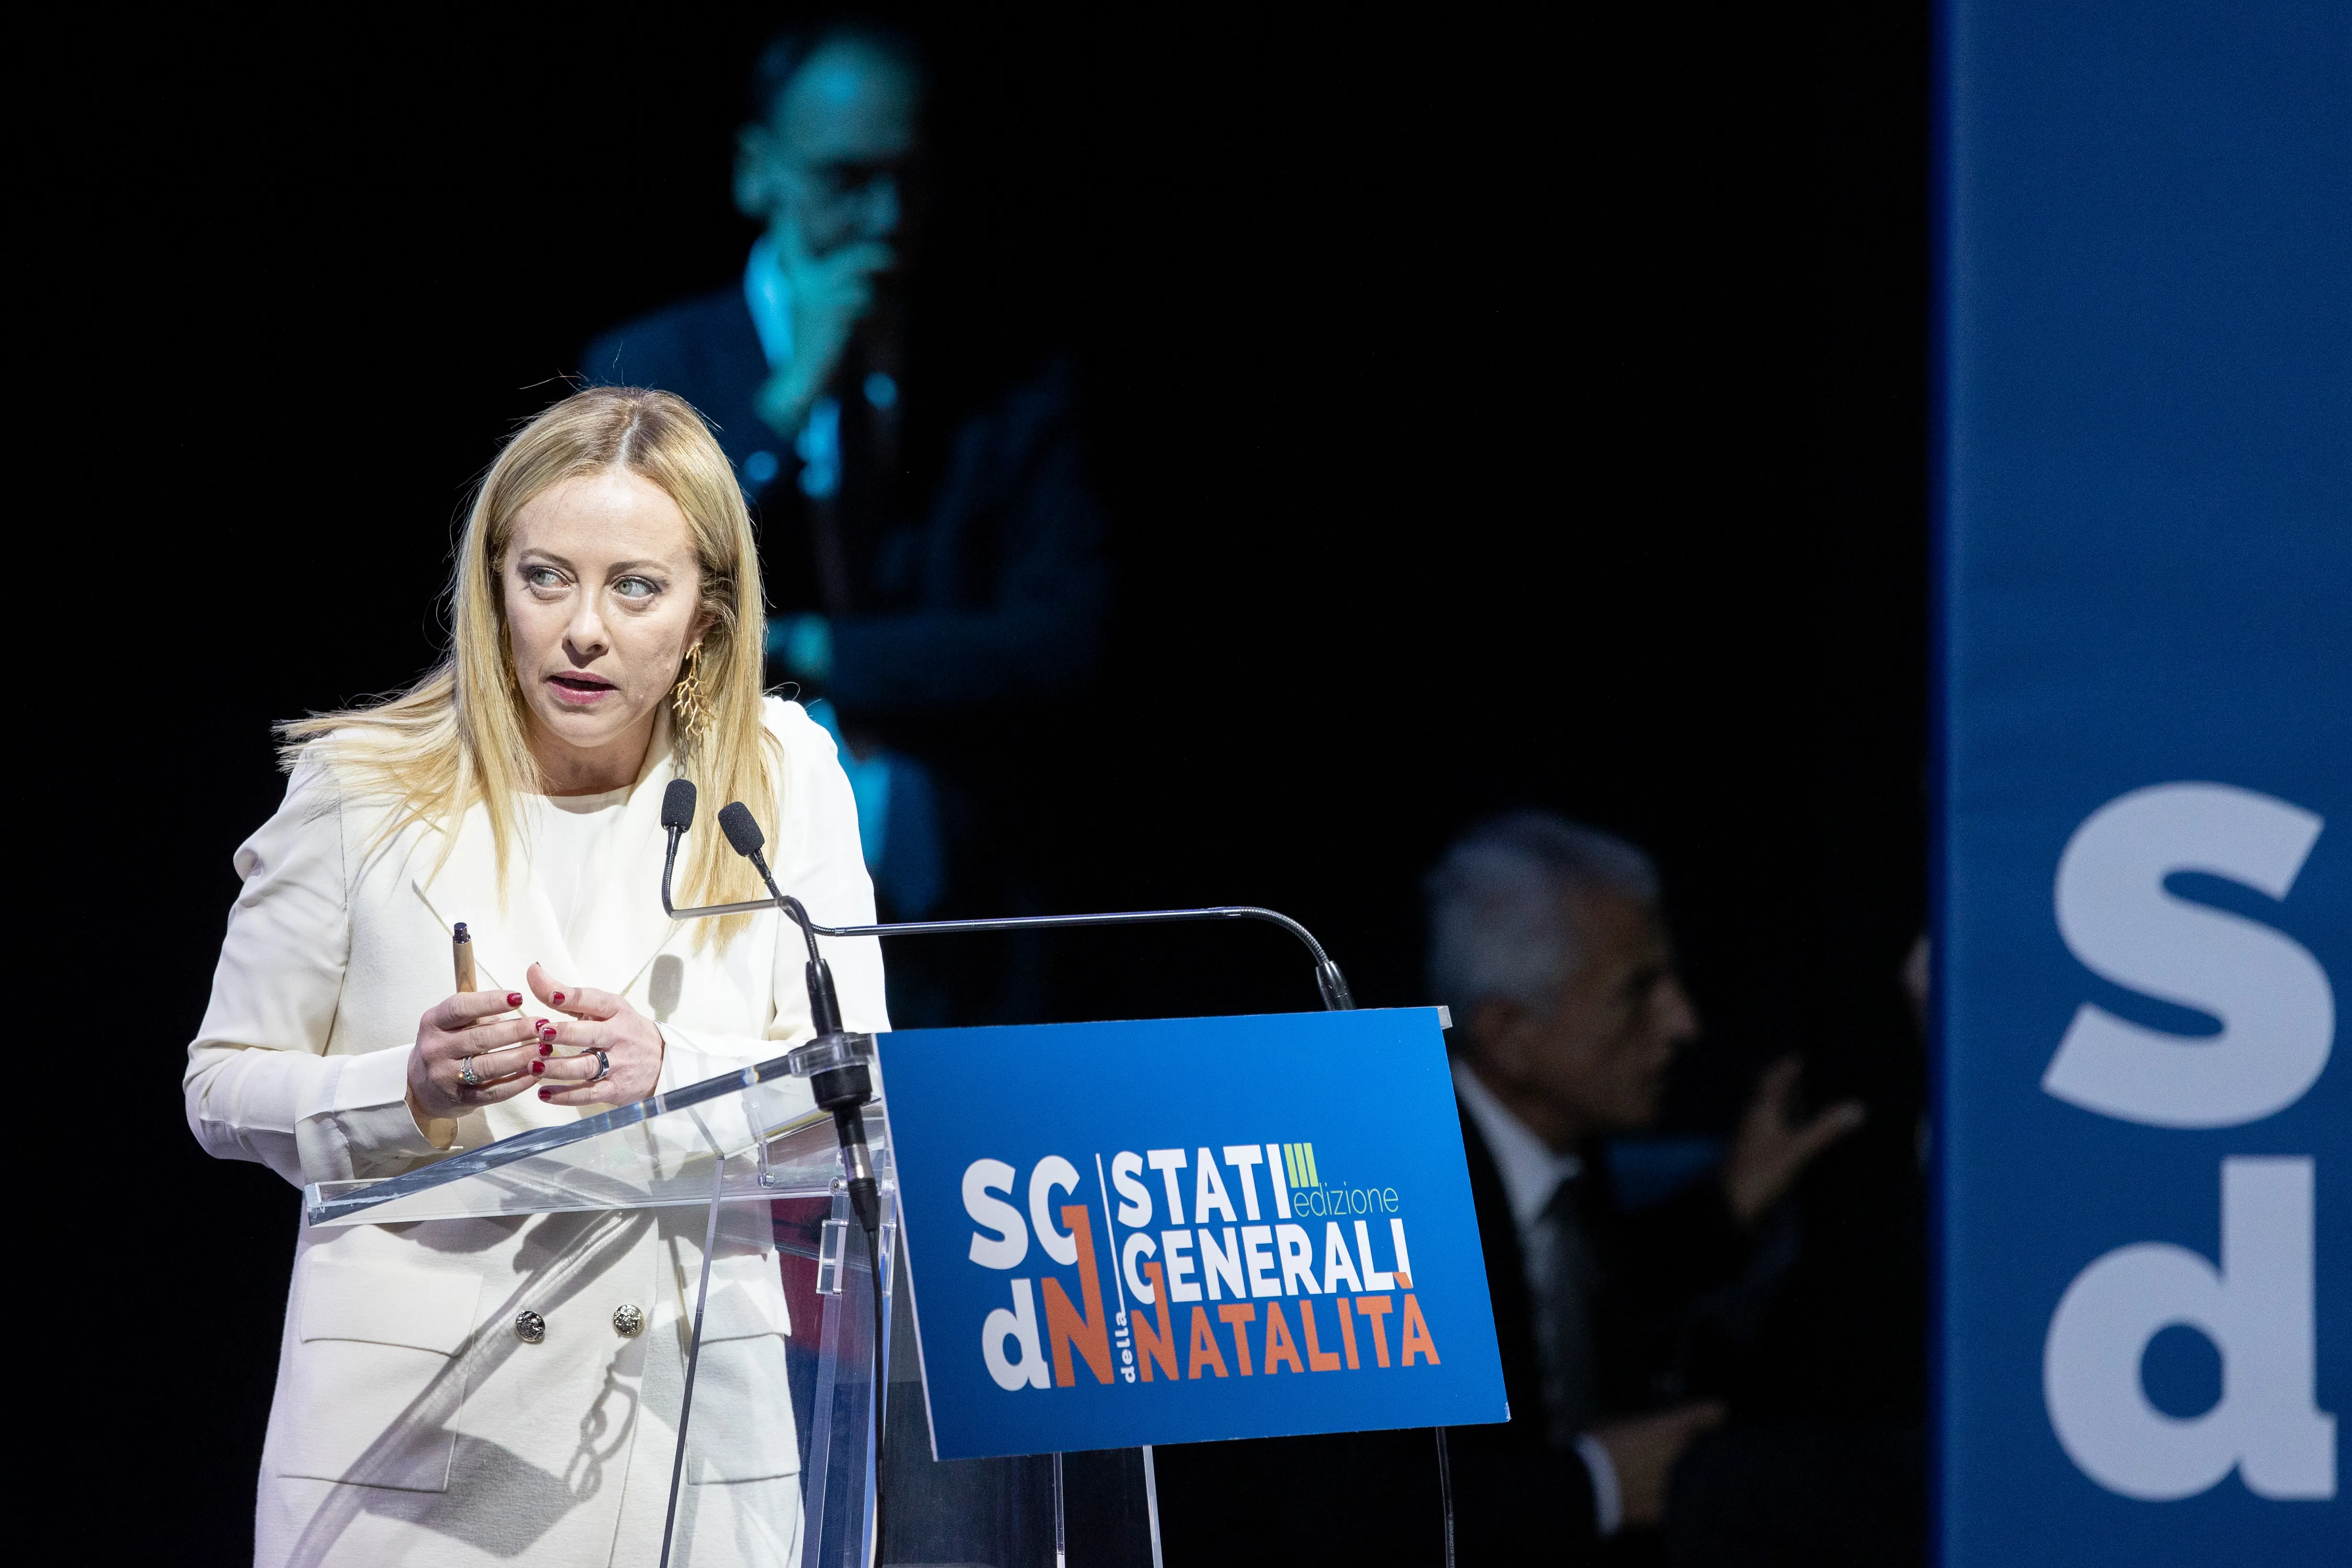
<point>748,1158</point>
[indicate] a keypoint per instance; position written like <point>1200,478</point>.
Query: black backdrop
<point>1492,413</point>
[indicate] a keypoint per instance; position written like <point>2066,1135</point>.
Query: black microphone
<point>677,815</point>
<point>736,822</point>
<point>742,831</point>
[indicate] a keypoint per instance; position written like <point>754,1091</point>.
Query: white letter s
<point>2277,1011</point>
<point>1134,1198</point>
<point>1011,1242</point>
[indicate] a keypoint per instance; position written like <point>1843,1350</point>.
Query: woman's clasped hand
<point>597,1050</point>
<point>615,1052</point>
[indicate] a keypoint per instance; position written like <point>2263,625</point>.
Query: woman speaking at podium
<point>498,1390</point>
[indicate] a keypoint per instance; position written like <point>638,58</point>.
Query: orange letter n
<point>1149,1346</point>
<point>1064,1326</point>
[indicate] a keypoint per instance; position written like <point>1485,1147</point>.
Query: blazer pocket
<point>377,1382</point>
<point>742,1428</point>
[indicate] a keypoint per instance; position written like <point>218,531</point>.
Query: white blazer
<point>411,1424</point>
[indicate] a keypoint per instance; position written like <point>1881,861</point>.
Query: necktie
<point>1564,1278</point>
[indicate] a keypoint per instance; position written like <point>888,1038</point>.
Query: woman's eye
<point>543,577</point>
<point>634,588</point>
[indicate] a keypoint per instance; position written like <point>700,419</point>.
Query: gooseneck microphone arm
<point>1327,978</point>
<point>854,1086</point>
<point>1328,981</point>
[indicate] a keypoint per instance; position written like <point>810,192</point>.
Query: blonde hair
<point>461,734</point>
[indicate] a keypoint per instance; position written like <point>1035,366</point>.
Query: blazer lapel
<point>512,927</point>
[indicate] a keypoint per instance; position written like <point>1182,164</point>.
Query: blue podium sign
<point>2145,871</point>
<point>1173,1231</point>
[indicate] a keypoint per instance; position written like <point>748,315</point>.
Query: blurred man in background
<point>1549,943</point>
<point>934,634</point>
<point>1620,1319</point>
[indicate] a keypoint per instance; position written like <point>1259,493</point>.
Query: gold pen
<point>440,1134</point>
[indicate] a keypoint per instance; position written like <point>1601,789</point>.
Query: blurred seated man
<point>939,627</point>
<point>1548,944</point>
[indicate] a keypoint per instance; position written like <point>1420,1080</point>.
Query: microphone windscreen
<point>678,804</point>
<point>735,822</point>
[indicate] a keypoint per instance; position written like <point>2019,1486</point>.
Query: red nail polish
<point>545,1092</point>
<point>537,1068</point>
<point>538,1023</point>
<point>544,1050</point>
<point>514,998</point>
<point>559,996</point>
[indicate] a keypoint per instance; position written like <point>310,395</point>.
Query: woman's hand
<point>598,1020</point>
<point>456,1028</point>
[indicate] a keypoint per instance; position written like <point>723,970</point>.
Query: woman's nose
<point>584,638</point>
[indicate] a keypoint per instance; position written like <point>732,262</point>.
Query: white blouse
<point>571,842</point>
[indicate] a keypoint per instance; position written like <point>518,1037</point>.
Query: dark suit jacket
<point>1516,1497</point>
<point>991,593</point>
<point>1373,1498</point>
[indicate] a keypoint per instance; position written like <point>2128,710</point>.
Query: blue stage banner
<point>2144,903</point>
<point>1178,1230</point>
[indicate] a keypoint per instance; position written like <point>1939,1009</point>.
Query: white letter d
<point>2257,1309</point>
<point>1018,1326</point>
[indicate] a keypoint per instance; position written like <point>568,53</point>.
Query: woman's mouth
<point>577,688</point>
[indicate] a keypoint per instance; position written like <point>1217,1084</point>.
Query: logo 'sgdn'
<point>1291,1274</point>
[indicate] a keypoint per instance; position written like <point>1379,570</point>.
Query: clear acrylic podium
<point>748,1162</point>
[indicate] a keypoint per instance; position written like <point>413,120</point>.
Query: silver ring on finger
<point>604,1068</point>
<point>466,1073</point>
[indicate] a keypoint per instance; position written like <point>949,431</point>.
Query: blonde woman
<point>463,1392</point>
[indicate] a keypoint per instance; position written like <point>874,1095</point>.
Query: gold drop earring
<point>690,701</point>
